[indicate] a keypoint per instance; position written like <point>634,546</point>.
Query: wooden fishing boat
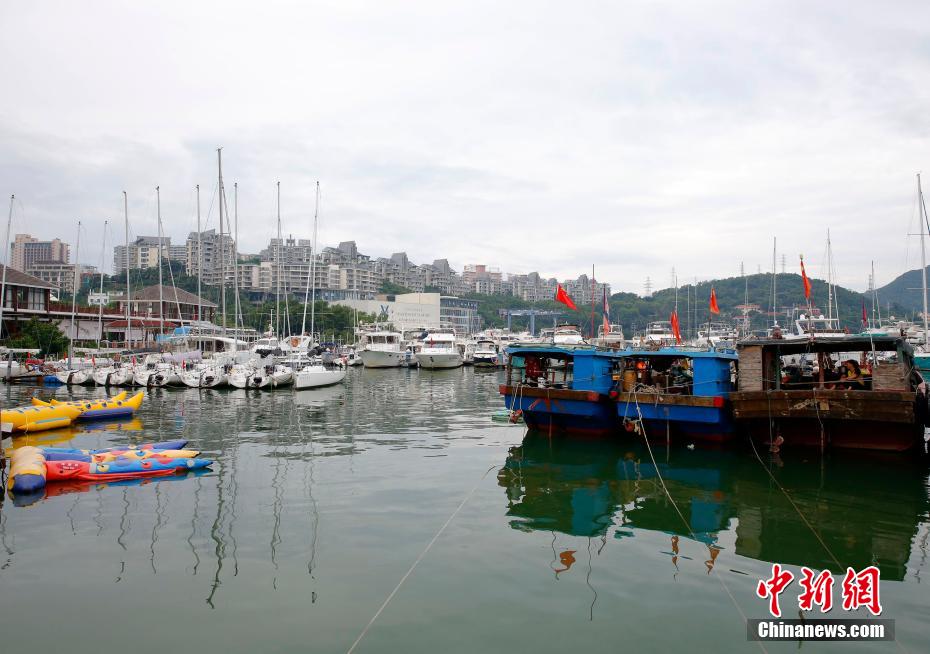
<point>561,388</point>
<point>675,391</point>
<point>880,403</point>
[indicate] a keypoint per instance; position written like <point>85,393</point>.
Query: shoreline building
<point>408,311</point>
<point>141,253</point>
<point>26,251</point>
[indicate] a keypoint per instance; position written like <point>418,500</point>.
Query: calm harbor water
<point>321,501</point>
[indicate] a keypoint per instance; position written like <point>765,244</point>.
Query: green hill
<point>634,311</point>
<point>904,291</point>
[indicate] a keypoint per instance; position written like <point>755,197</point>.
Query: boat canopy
<point>856,343</point>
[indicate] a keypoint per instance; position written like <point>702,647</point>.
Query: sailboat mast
<point>221,193</point>
<point>103,254</point>
<point>277,291</point>
<point>6,249</point>
<point>829,278</point>
<point>316,213</point>
<point>922,212</point>
<point>74,291</point>
<point>235,261</point>
<point>126,262</point>
<point>199,258</point>
<point>774,282</point>
<point>161,289</point>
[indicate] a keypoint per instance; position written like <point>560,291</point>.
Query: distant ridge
<point>904,290</point>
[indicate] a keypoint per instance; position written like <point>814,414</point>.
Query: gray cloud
<point>532,136</point>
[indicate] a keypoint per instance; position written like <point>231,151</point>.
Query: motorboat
<point>270,375</point>
<point>612,338</point>
<point>207,374</point>
<point>717,334</point>
<point>487,354</point>
<point>382,349</point>
<point>74,376</point>
<point>439,351</point>
<point>567,335</point>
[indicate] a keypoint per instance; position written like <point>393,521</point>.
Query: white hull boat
<point>74,377</point>
<point>315,376</point>
<point>439,360</point>
<point>204,377</point>
<point>381,358</point>
<point>113,376</point>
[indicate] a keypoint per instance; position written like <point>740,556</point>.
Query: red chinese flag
<point>807,282</point>
<point>606,313</point>
<point>865,316</point>
<point>564,298</point>
<point>676,327</point>
<point>714,308</point>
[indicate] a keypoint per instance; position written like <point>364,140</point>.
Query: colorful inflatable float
<point>27,419</point>
<point>32,467</point>
<point>113,407</point>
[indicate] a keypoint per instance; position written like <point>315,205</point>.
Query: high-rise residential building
<point>213,257</point>
<point>26,250</point>
<point>478,278</point>
<point>141,253</point>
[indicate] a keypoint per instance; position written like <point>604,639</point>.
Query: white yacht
<point>439,351</point>
<point>567,335</point>
<point>487,354</point>
<point>659,333</point>
<point>612,338</point>
<point>382,349</point>
<point>714,334</point>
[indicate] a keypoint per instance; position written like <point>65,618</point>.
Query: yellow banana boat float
<point>113,407</point>
<point>38,418</point>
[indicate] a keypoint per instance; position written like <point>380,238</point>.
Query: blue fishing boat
<point>675,391</point>
<point>561,388</point>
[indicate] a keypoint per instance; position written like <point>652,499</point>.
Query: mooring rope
<point>418,559</point>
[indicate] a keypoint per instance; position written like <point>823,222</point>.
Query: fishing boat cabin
<point>675,392</point>
<point>858,392</point>
<point>561,388</point>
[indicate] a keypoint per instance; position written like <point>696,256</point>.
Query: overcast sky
<point>526,135</point>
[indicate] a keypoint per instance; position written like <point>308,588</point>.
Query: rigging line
<point>796,508</point>
<point>681,515</point>
<point>416,562</point>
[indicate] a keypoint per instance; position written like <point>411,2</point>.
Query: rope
<point>681,515</point>
<point>417,561</point>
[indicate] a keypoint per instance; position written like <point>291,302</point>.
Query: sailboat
<point>72,375</point>
<point>315,374</point>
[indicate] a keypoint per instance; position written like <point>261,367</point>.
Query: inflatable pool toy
<point>31,468</point>
<point>120,468</point>
<point>78,403</point>
<point>118,405</point>
<point>105,457</point>
<point>38,418</point>
<point>27,471</point>
<point>163,445</point>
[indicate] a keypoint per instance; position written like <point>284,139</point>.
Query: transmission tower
<point>648,286</point>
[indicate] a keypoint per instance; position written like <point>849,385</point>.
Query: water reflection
<point>866,510</point>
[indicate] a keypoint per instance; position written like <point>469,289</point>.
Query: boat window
<point>655,375</point>
<point>541,370</point>
<point>824,370</point>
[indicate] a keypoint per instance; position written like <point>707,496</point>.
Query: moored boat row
<point>862,392</point>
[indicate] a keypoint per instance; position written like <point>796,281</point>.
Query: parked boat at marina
<point>675,392</point>
<point>487,354</point>
<point>561,388</point>
<point>382,349</point>
<point>874,403</point>
<point>439,351</point>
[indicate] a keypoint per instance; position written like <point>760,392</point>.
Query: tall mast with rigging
<point>74,292</point>
<point>126,262</point>
<point>311,277</point>
<point>103,251</point>
<point>922,212</point>
<point>161,288</point>
<point>221,194</point>
<point>6,249</point>
<point>235,260</point>
<point>199,258</point>
<point>277,292</point>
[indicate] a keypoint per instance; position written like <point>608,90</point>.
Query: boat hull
<point>439,361</point>
<point>381,359</point>
<point>833,418</point>
<point>689,416</point>
<point>318,377</point>
<point>563,410</point>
